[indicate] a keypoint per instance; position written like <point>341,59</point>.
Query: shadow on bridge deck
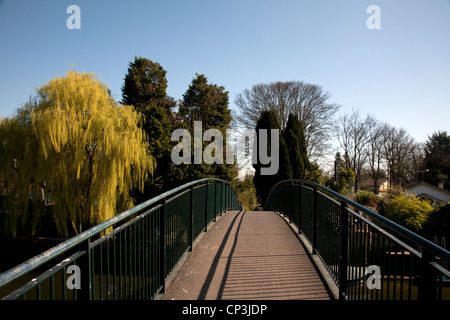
<point>248,255</point>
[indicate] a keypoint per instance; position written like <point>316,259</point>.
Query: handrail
<point>71,243</point>
<point>408,234</point>
<point>351,241</point>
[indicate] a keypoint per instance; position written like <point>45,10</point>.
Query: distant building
<point>368,184</point>
<point>437,194</point>
<point>385,186</point>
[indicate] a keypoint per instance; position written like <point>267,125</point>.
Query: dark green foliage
<point>438,224</point>
<point>246,192</point>
<point>342,178</point>
<point>264,183</point>
<point>207,103</point>
<point>437,159</point>
<point>366,198</point>
<point>295,141</point>
<point>158,127</point>
<point>285,169</point>
<point>145,84</point>
<point>145,88</point>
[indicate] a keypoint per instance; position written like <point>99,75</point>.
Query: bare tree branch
<point>307,101</point>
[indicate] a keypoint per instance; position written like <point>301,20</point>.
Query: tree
<point>398,147</point>
<point>295,142</point>
<point>353,135</point>
<point>342,177</point>
<point>80,147</point>
<point>285,167</point>
<point>264,182</point>
<point>17,141</point>
<point>144,88</point>
<point>375,152</point>
<point>437,224</point>
<point>437,158</point>
<point>207,103</point>
<point>308,102</point>
<point>145,84</point>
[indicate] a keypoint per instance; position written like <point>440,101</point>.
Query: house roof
<point>425,184</point>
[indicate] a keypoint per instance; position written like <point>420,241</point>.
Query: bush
<point>366,198</point>
<point>246,192</point>
<point>407,210</point>
<point>346,177</point>
<point>438,223</point>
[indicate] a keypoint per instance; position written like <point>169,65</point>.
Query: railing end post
<point>428,278</point>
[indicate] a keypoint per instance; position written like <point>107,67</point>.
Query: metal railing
<point>129,256</point>
<point>368,256</point>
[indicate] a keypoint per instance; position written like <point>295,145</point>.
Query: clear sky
<point>399,73</point>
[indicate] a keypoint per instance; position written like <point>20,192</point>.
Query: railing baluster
<point>52,287</point>
<point>101,271</point>
<point>120,266</point>
<point>162,244</point>
<point>343,251</point>
<point>206,207</point>
<point>150,244</point>
<point>63,283</point>
<point>299,223</point>
<point>191,218</point>
<point>314,220</point>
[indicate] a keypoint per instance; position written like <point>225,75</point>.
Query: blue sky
<point>399,74</point>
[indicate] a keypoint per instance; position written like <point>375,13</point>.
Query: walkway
<point>248,255</point>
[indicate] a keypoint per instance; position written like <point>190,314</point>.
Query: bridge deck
<point>248,255</point>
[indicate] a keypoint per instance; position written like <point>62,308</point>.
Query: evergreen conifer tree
<point>295,141</point>
<point>144,88</point>
<point>264,183</point>
<point>207,103</point>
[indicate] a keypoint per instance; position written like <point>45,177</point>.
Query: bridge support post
<point>343,256</point>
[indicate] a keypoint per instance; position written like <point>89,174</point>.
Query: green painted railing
<point>127,257</point>
<point>352,240</point>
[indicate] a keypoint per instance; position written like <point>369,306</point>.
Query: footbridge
<point>196,242</point>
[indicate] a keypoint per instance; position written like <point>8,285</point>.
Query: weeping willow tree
<point>16,142</point>
<point>82,155</point>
